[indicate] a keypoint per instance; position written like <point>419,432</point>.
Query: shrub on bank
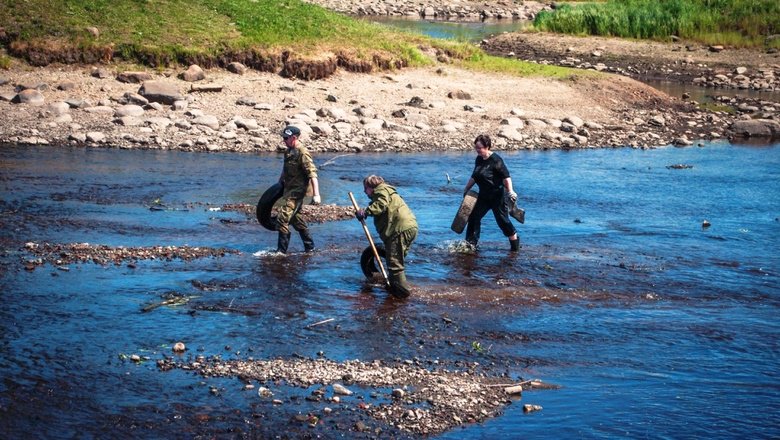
<point>730,22</point>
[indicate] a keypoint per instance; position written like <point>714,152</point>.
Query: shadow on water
<point>618,293</point>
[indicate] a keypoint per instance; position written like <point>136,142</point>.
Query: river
<point>652,325</point>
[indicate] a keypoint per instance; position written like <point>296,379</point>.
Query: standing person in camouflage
<point>298,173</point>
<point>396,225</point>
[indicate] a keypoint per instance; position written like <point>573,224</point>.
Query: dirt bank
<point>436,108</point>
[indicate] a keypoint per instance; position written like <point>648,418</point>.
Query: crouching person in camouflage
<point>396,225</point>
<point>298,173</point>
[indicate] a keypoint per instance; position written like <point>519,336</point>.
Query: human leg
<point>481,207</point>
<point>303,230</point>
<point>396,249</point>
<point>501,213</point>
<point>286,212</point>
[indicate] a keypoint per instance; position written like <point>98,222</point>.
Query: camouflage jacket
<point>391,215</point>
<point>298,169</point>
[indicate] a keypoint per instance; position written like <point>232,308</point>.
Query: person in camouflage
<point>396,225</point>
<point>298,173</point>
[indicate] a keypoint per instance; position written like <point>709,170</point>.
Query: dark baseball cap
<point>291,130</point>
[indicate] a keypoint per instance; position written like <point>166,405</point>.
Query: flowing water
<point>652,325</point>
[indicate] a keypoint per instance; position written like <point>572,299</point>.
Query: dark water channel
<point>653,326</point>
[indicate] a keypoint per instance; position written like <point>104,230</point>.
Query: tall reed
<point>733,22</point>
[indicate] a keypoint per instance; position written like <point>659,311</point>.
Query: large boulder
<point>760,128</point>
<point>160,91</point>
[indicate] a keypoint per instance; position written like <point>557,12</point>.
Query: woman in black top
<point>492,177</point>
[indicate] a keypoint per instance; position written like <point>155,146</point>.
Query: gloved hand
<point>512,196</point>
<point>360,214</point>
<point>316,200</point>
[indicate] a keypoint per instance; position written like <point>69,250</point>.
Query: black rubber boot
<point>514,245</point>
<point>283,243</point>
<point>399,288</point>
<point>308,242</point>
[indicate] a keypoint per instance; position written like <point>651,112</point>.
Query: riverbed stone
<point>164,92</point>
<point>158,122</point>
<point>193,73</point>
<point>58,108</point>
<point>322,128</point>
<point>757,128</point>
<point>343,127</point>
<point>129,110</point>
<point>246,123</point>
<point>134,77</point>
<point>237,68</point>
<point>517,123</point>
<point>100,72</point>
<point>509,132</point>
<point>658,121</point>
<point>574,120</point>
<point>133,98</point>
<point>459,94</point>
<point>29,97</point>
<point>209,121</point>
<point>180,105</point>
<point>7,96</point>
<point>95,137</point>
<point>66,86</point>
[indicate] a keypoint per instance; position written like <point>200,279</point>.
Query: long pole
<point>370,241</point>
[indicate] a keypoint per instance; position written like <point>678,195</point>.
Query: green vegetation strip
<point>162,32</point>
<point>744,23</point>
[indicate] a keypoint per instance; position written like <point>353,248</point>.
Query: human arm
<point>315,186</point>
<point>469,184</point>
<point>508,186</point>
<point>378,205</point>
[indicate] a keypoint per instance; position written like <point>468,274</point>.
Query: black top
<point>489,174</point>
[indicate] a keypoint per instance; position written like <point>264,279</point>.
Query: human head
<point>290,134</point>
<point>484,140</point>
<point>482,145</point>
<point>371,182</point>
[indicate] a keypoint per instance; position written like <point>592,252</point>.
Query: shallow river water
<point>652,325</point>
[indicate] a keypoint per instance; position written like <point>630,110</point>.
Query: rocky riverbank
<point>437,108</point>
<point>439,9</point>
<point>685,62</point>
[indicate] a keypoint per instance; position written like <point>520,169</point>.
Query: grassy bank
<point>740,23</point>
<point>290,36</point>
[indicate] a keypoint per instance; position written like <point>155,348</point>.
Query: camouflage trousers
<point>396,248</point>
<point>289,213</point>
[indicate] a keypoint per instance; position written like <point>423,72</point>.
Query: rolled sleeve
<point>308,164</point>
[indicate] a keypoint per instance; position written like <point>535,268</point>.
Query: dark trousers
<point>496,203</point>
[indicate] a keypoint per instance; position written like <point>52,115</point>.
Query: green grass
<point>729,22</point>
<point>5,62</point>
<point>162,32</point>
